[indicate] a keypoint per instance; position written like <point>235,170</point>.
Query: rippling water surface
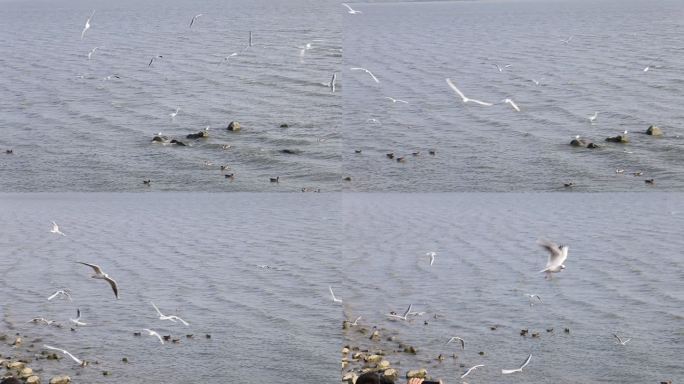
<point>624,275</point>
<point>194,255</point>
<point>73,127</point>
<point>412,47</point>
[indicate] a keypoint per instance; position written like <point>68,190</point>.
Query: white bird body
<point>367,71</point>
<point>557,255</point>
<point>396,100</point>
<point>512,103</point>
<point>402,317</point>
<point>77,320</point>
<point>87,25</point>
<point>593,117</point>
<point>502,68</point>
<point>61,293</point>
<point>173,115</point>
<point>171,318</point>
<point>55,229</point>
<point>457,338</point>
<point>351,10</point>
<point>91,52</point>
<point>432,257</point>
<point>153,333</point>
<point>99,274</point>
<point>463,97</point>
<point>334,299</point>
<point>471,369</point>
<point>507,371</point>
<point>531,296</point>
<point>356,321</point>
<point>79,361</point>
<point>42,320</point>
<point>620,341</point>
<point>567,41</point>
<point>332,83</point>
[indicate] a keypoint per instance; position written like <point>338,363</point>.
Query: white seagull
<point>432,257</point>
<point>620,341</point>
<point>593,117</point>
<point>557,255</point>
<point>396,100</point>
<point>331,84</point>
<point>87,25</point>
<point>404,316</point>
<point>193,19</point>
<point>531,297</point>
<point>471,369</point>
<point>457,338</point>
<point>99,274</point>
<point>512,103</point>
<point>171,318</point>
<point>502,68</point>
<point>91,52</point>
<point>173,115</point>
<point>79,361</point>
<point>42,320</point>
<point>567,41</point>
<point>356,321</point>
<point>367,71</point>
<point>61,293</point>
<point>55,229</point>
<point>153,333</point>
<point>351,11</point>
<point>77,320</point>
<point>334,299</point>
<point>465,99</point>
<point>507,371</point>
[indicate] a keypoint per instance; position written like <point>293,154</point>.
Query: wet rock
<point>410,349</point>
<point>234,126</point>
<point>391,374</point>
<point>375,336</point>
<point>348,178</point>
<point>383,364</point>
<point>567,330</point>
<point>349,378</point>
<point>33,380</point>
<point>26,372</point>
<point>62,379</point>
<point>125,360</point>
<point>160,139</point>
<point>178,143</point>
<point>16,365</point>
<point>417,373</point>
<point>106,373</point>
<point>373,358</point>
<point>618,139</point>
<point>198,135</point>
<point>654,131</point>
<point>481,353</point>
<point>593,146</point>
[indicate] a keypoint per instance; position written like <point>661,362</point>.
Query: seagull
<point>42,320</point>
<point>78,318</point>
<point>61,293</point>
<point>507,371</point>
<point>355,321</point>
<point>512,103</point>
<point>91,52</point>
<point>502,68</point>
<point>557,255</point>
<point>465,99</point>
<point>432,257</point>
<point>470,369</point>
<point>87,25</point>
<point>80,362</point>
<point>55,229</point>
<point>153,59</point>
<point>373,120</point>
<point>367,71</point>
<point>173,115</point>
<point>620,341</point>
<point>303,50</point>
<point>532,296</point>
<point>153,333</point>
<point>396,100</point>
<point>593,117</point>
<point>457,338</point>
<point>567,41</point>
<point>171,318</point>
<point>229,56</point>
<point>335,299</point>
<point>351,11</point>
<point>536,82</point>
<point>193,19</point>
<point>331,84</point>
<point>404,316</point>
<point>99,274</point>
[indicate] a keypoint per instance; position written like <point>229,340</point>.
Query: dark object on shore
<point>11,380</point>
<point>180,143</point>
<point>536,334</point>
<point>275,179</point>
<point>523,332</point>
<point>284,125</point>
<point>649,181</point>
<point>198,135</point>
<point>234,126</point>
<point>9,151</point>
<point>373,378</point>
<point>229,175</point>
<point>654,131</point>
<point>348,178</point>
<point>618,139</point>
<point>432,152</point>
<point>568,185</point>
<point>147,182</point>
<point>357,151</point>
<point>291,151</point>
<point>390,155</point>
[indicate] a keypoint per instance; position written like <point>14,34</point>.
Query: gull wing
<point>348,7</point>
<point>53,296</point>
<point>112,283</point>
<point>554,250</point>
<point>527,361</point>
<point>512,103</point>
<point>157,309</point>
<point>481,102</point>
<point>456,89</point>
<point>179,319</point>
<point>96,268</point>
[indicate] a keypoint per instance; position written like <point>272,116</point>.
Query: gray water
<point>193,255</point>
<point>624,275</point>
<point>412,47</point>
<point>73,130</point>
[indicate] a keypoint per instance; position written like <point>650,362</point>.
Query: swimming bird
<point>507,371</point>
<point>567,41</point>
<point>87,25</point>
<point>61,293</point>
<point>531,296</point>
<point>55,229</point>
<point>171,318</point>
<point>620,341</point>
<point>79,361</point>
<point>193,19</point>
<point>457,338</point>
<point>99,274</point>
<point>91,52</point>
<point>367,71</point>
<point>502,68</point>
<point>432,257</point>
<point>334,299</point>
<point>173,115</point>
<point>593,117</point>
<point>396,100</point>
<point>77,320</point>
<point>512,103</point>
<point>557,255</point>
<point>402,317</point>
<point>471,369</point>
<point>465,99</point>
<point>153,333</point>
<point>351,11</point>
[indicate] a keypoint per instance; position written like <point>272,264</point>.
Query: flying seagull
<point>620,341</point>
<point>404,316</point>
<point>61,293</point>
<point>173,115</point>
<point>91,52</point>
<point>331,84</point>
<point>153,59</point>
<point>99,274</point>
<point>367,71</point>
<point>172,318</point>
<point>42,320</point>
<point>77,320</point>
<point>471,369</point>
<point>79,361</point>
<point>351,11</point>
<point>593,117</point>
<point>355,321</point>
<point>87,25</point>
<point>507,371</point>
<point>153,333</point>
<point>55,229</point>
<point>512,103</point>
<point>532,296</point>
<point>557,255</point>
<point>396,100</point>
<point>457,338</point>
<point>335,299</point>
<point>432,257</point>
<point>465,99</point>
<point>567,41</point>
<point>502,68</point>
<point>193,19</point>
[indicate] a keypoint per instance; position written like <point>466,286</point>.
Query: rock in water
<point>63,379</point>
<point>418,373</point>
<point>198,135</point>
<point>618,139</point>
<point>654,131</point>
<point>234,126</point>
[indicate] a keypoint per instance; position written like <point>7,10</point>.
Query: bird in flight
<point>193,19</point>
<point>507,371</point>
<point>153,59</point>
<point>502,68</point>
<point>79,361</point>
<point>171,318</point>
<point>367,71</point>
<point>512,103</point>
<point>557,255</point>
<point>457,338</point>
<point>99,274</point>
<point>77,320</point>
<point>593,117</point>
<point>395,100</point>
<point>153,333</point>
<point>471,369</point>
<point>620,341</point>
<point>432,257</point>
<point>404,316</point>
<point>87,25</point>
<point>91,52</point>
<point>567,41</point>
<point>173,114</point>
<point>532,296</point>
<point>55,229</point>
<point>351,10</point>
<point>463,97</point>
<point>334,299</point>
<point>61,293</point>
